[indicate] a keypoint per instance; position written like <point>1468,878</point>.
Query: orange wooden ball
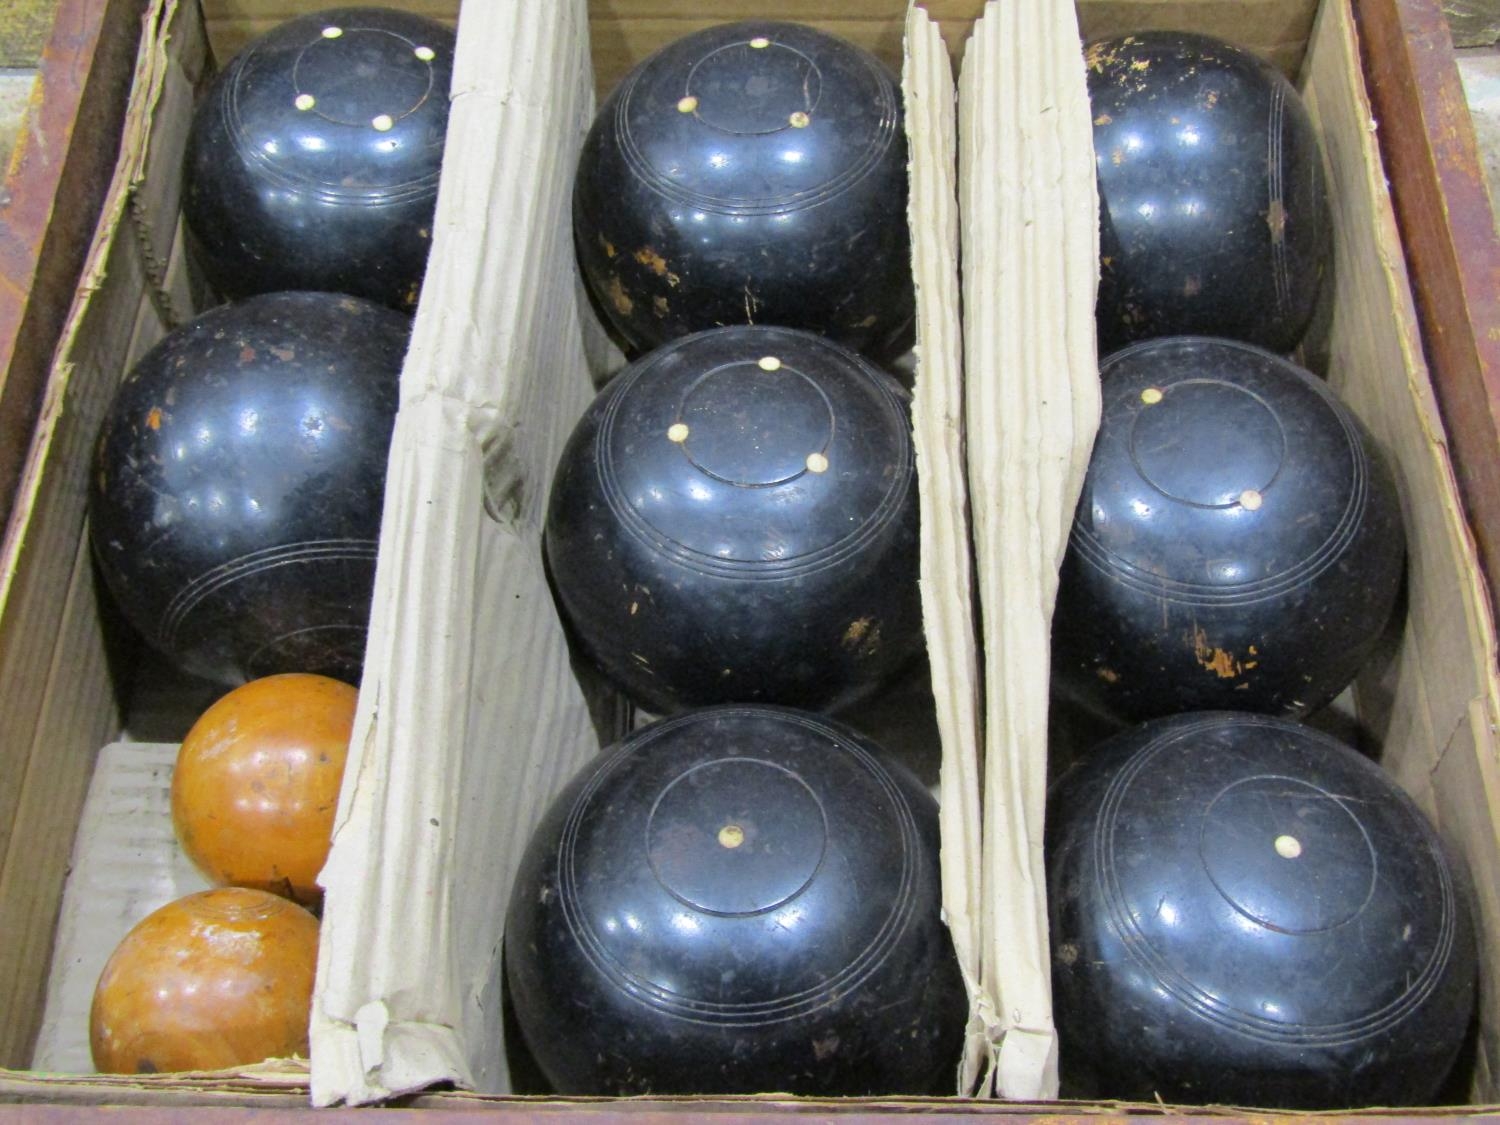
<point>257,783</point>
<point>218,979</point>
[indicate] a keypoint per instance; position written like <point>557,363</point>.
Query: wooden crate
<point>1434,704</point>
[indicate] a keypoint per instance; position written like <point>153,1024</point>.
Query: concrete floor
<point>1480,71</point>
<point>15,91</point>
<point>24,26</point>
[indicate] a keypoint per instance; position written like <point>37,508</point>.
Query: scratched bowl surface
<point>1238,543</point>
<point>1214,212</point>
<point>737,900</point>
<point>1246,911</point>
<point>750,173</point>
<point>217,979</point>
<point>238,478</point>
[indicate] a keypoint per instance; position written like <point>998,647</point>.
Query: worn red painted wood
<point>50,200</point>
<point>1452,251</point>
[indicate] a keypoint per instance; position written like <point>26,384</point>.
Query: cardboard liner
<point>946,570</point>
<point>468,718</point>
<point>1031,254</point>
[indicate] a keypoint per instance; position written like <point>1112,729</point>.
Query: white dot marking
<point>305,102</point>
<point>769,363</point>
<point>731,836</point>
<point>426,54</point>
<point>760,42</point>
<point>817,463</point>
<point>687,104</point>
<point>1250,499</point>
<point>677,432</point>
<point>383,123</point>
<point>332,32</point>
<point>1288,847</point>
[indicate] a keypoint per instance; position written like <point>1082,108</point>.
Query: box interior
<point>64,688</point>
<point>623,32</point>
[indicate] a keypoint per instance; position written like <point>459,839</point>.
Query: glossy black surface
<point>1243,910</point>
<point>1214,212</point>
<point>236,495</point>
<point>734,520</point>
<point>1238,542</point>
<point>313,161</point>
<point>735,900</point>
<point>751,173</point>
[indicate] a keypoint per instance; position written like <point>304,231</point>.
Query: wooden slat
<point>57,700</point>
<point>1429,712</point>
<point>77,716</point>
<point>1452,252</point>
<point>50,199</point>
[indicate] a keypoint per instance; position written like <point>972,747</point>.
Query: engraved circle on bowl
<point>407,53</point>
<point>276,173</point>
<point>241,907</point>
<point>665,842</point>
<point>1154,464</point>
<point>345,643</point>
<point>1202,1002</point>
<point>1337,909</point>
<point>665,186</point>
<point>638,528</point>
<point>788,381</point>
<point>1093,551</point>
<point>773,119</point>
<point>1276,214</point>
<point>850,976</point>
<point>214,581</point>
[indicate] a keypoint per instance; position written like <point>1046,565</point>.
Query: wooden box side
<point>1431,708</point>
<point>50,199</point>
<point>58,700</point>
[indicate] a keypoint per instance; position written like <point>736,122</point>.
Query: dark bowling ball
<point>235,502</point>
<point>739,899</point>
<point>734,519</point>
<point>1238,543</point>
<point>1244,910</point>
<point>1214,212</point>
<point>751,173</point>
<point>313,161</point>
